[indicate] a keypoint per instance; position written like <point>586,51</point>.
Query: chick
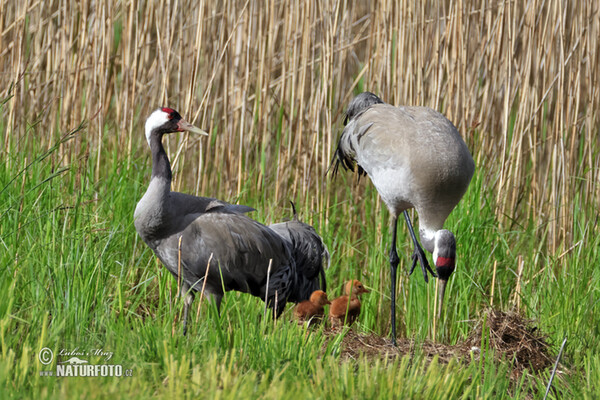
<point>312,310</point>
<point>347,307</point>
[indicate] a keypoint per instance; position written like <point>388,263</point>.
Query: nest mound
<point>353,345</point>
<point>511,337</point>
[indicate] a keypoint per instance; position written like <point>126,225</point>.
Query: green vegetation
<point>77,276</point>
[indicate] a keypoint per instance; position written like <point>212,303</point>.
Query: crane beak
<point>185,126</point>
<point>441,291</point>
<point>444,267</point>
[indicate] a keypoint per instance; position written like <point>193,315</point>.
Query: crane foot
<point>419,255</point>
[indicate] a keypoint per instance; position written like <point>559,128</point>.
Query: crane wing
<point>189,204</point>
<point>309,253</point>
<point>239,250</point>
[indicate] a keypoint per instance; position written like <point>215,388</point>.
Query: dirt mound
<point>514,339</point>
<point>511,337</point>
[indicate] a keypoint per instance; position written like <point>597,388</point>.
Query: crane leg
<point>187,302</point>
<point>394,260</point>
<point>418,254</point>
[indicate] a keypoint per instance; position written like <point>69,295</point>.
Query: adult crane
<point>207,243</point>
<point>416,158</point>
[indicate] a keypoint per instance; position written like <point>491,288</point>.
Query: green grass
<point>76,275</point>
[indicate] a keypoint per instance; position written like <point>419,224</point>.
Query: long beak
<point>186,126</point>
<point>441,291</point>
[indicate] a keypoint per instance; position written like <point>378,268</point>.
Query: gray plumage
<point>309,253</point>
<point>416,158</point>
<point>238,248</point>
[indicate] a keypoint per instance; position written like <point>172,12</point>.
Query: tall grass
<point>270,80</point>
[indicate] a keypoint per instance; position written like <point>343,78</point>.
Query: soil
<point>512,338</point>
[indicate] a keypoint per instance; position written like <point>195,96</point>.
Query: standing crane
<point>209,244</point>
<point>416,158</point>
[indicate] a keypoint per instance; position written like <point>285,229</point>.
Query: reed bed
<point>271,80</point>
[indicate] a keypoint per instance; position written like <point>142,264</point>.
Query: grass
<point>270,82</point>
<point>77,276</point>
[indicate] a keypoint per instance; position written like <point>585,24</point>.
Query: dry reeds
<point>271,80</point>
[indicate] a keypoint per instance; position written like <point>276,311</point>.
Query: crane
<point>415,158</point>
<point>209,244</point>
<point>312,310</point>
<point>346,308</point>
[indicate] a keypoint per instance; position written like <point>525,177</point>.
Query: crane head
<point>355,287</point>
<point>360,104</point>
<point>319,297</point>
<point>166,120</point>
<point>444,253</point>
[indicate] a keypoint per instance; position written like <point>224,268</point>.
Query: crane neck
<point>161,167</point>
<point>428,239</point>
<point>440,243</point>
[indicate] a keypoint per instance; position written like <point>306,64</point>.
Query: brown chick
<point>347,307</point>
<point>312,309</point>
